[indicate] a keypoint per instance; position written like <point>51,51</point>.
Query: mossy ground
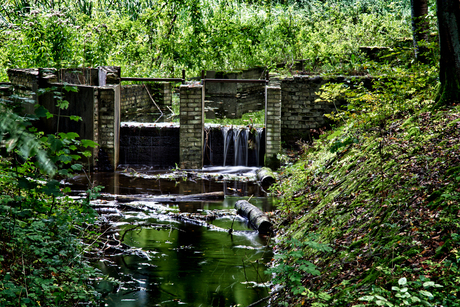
<point>387,203</point>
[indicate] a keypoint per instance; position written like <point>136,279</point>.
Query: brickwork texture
<point>191,126</point>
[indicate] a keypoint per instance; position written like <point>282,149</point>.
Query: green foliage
<point>407,294</point>
<point>159,38</point>
<point>380,189</point>
<point>46,40</point>
<point>401,91</point>
<point>41,229</point>
<point>40,233</point>
<point>291,267</point>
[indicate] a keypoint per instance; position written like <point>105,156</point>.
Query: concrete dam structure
<point>292,109</point>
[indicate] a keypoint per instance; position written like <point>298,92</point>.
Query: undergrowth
<point>44,234</point>
<point>382,191</point>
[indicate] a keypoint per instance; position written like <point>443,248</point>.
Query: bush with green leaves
<point>291,267</point>
<point>42,231</point>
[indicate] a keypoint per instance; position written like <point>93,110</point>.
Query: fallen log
<point>202,196</point>
<point>266,177</point>
<point>179,198</point>
<point>257,219</point>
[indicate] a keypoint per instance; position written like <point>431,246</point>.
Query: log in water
<point>257,219</point>
<point>211,196</point>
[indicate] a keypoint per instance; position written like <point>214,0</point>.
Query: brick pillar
<point>108,104</point>
<point>191,126</point>
<point>272,126</point>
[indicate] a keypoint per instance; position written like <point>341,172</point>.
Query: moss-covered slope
<point>387,201</point>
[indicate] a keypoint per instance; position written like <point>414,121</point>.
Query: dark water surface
<point>183,263</point>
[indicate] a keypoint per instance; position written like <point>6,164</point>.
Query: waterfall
<point>208,144</point>
<point>227,137</point>
<point>240,141</point>
<point>258,136</point>
<point>246,147</point>
<point>236,138</point>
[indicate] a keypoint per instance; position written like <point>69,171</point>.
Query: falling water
<point>258,136</point>
<point>241,147</point>
<point>227,136</point>
<point>244,144</point>
<point>236,144</point>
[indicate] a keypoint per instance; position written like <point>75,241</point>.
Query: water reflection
<point>186,264</point>
<point>125,183</point>
<point>193,265</point>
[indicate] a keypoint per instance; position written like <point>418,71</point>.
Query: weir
<point>293,111</point>
<point>158,145</point>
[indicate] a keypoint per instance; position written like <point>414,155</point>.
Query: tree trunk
<point>448,12</point>
<point>420,28</point>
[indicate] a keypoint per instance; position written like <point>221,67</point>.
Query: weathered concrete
<point>6,90</point>
<point>293,109</point>
<point>149,145</point>
<point>108,108</point>
<point>232,100</point>
<point>145,102</point>
<point>302,110</point>
<point>98,106</point>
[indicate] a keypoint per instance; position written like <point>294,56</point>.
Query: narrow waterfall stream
<point>180,252</point>
<point>233,146</point>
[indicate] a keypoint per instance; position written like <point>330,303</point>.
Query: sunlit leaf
<point>426,293</point>
<point>402,281</point>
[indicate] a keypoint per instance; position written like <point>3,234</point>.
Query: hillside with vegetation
<point>368,213</point>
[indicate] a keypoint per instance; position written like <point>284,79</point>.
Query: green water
<point>191,265</point>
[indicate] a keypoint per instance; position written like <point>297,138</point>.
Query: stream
<point>179,252</point>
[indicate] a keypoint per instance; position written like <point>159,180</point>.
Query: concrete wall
<point>25,86</point>
<point>137,105</point>
<point>6,90</point>
<point>109,122</point>
<point>232,100</point>
<point>81,103</point>
<point>82,76</point>
<point>153,146</point>
<point>292,107</point>
<point>97,106</point>
<point>191,126</point>
<point>302,110</point>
